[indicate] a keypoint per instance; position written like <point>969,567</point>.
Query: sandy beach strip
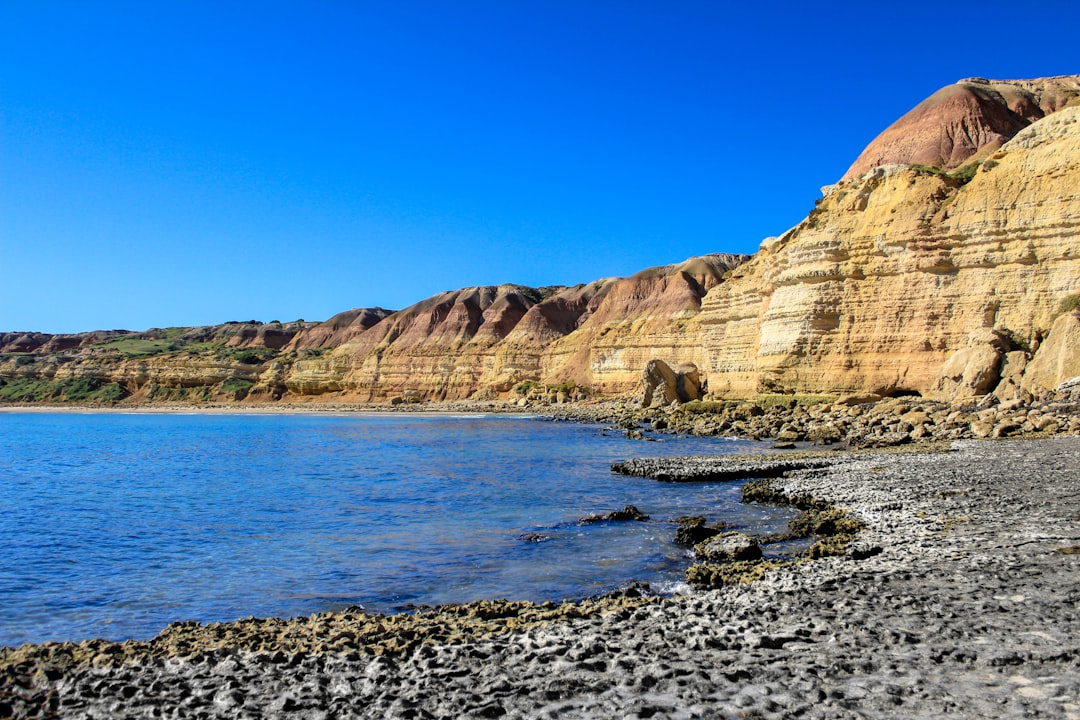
<point>971,609</point>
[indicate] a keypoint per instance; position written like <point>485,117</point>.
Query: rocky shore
<point>854,421</point>
<point>968,609</point>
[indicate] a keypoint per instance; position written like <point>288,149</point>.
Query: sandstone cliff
<point>901,268</point>
<point>906,278</point>
<point>220,362</point>
<point>485,341</point>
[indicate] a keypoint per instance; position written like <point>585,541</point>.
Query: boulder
<point>976,369</point>
<point>693,530</point>
<point>627,513</point>
<point>858,399</point>
<point>658,384</point>
<point>661,386</point>
<point>1010,387</point>
<point>1058,357</point>
<point>728,547</point>
<point>687,382</point>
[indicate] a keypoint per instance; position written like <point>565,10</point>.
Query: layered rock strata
<point>906,279</point>
<point>486,341</point>
<point>898,270</point>
<point>966,121</point>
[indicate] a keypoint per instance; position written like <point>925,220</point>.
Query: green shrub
<point>27,390</point>
<point>963,174</point>
<point>526,387</point>
<point>1069,304</point>
<point>769,400</point>
<point>90,390</point>
<point>702,407</point>
<point>110,393</point>
<point>927,169</point>
<point>236,387</point>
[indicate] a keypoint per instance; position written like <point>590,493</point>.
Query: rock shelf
<point>968,611</point>
<point>711,469</point>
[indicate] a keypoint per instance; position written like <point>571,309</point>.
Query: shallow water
<point>114,525</point>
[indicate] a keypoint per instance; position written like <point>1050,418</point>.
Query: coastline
<point>964,610</point>
<point>792,422</point>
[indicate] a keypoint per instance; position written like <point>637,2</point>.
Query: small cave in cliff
<point>899,392</point>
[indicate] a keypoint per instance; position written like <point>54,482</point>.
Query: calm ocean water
<point>114,525</point>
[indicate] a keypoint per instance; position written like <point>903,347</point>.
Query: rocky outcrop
<point>887,279</point>
<point>728,547</point>
<point>660,385</point>
<point>966,121</point>
<point>1058,358</point>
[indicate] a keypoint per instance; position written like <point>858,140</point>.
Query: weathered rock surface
<point>1058,358</point>
<point>486,341</point>
<point>890,275</point>
<point>964,612</point>
<point>966,121</point>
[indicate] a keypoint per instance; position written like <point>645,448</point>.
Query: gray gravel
<point>968,612</point>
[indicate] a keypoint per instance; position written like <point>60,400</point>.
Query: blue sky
<point>191,163</point>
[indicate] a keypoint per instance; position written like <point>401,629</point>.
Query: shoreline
<point>792,422</point>
<point>964,610</point>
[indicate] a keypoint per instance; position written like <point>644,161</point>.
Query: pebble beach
<point>962,603</point>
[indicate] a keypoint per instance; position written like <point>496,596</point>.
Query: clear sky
<point>189,163</point>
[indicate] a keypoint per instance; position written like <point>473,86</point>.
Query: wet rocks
<point>693,530</point>
<point>728,547</point>
<point>628,513</point>
<point>925,616</point>
<point>710,469</point>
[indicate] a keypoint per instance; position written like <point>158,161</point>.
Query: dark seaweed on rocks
<point>692,530</point>
<point>711,469</point>
<point>834,527</point>
<point>628,513</point>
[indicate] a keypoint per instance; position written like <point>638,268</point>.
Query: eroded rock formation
<point>907,278</point>
<point>965,122</point>
<point>891,274</point>
<point>485,341</point>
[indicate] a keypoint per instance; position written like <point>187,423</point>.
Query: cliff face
<point>220,362</point>
<point>906,278</point>
<point>482,342</point>
<point>899,269</point>
<point>652,315</point>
